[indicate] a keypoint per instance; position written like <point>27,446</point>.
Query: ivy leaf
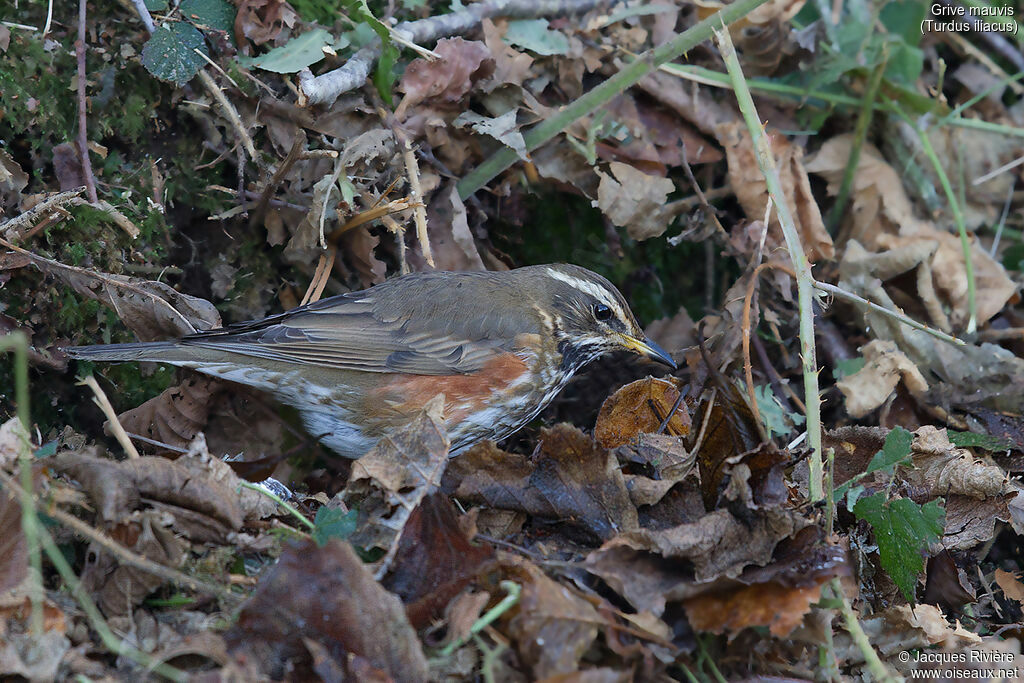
<point>170,54</point>
<point>903,530</point>
<point>333,523</point>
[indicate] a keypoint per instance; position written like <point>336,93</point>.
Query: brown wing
<point>355,331</point>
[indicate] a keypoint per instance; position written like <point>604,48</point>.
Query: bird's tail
<point>160,352</point>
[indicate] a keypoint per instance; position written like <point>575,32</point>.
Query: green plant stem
<point>512,591</point>
<point>801,267</point>
<point>18,341</point>
<point>604,93</point>
<point>280,501</point>
<point>60,563</point>
<point>822,98</point>
<point>860,133</point>
<point>958,218</point>
<point>874,663</point>
<point>111,641</point>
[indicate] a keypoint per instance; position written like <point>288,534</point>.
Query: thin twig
<point>874,663</point>
<point>133,559</point>
<point>326,88</point>
<point>229,112</point>
<point>280,501</point>
<point>321,275</point>
<point>101,400</point>
<point>416,197</point>
<point>12,228</point>
<point>840,293</point>
<point>143,12</point>
<point>83,136</point>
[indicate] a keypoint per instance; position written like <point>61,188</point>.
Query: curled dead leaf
<point>641,407</point>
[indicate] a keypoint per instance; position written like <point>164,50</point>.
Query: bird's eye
<point>602,312</point>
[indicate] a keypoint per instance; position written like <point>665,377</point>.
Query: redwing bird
<point>498,345</point>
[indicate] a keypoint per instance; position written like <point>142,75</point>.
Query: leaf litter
<point>642,527</point>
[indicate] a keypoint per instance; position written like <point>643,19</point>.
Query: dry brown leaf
<point>993,287</point>
<point>451,239</point>
<point>879,204</point>
<point>752,192</point>
<point>12,181</point>
<point>461,65</point>
<point>640,407</point>
<point>120,588</point>
<point>327,595</point>
<point>263,21</point>
<point>435,560</point>
<point>13,549</point>
<point>389,482</point>
<point>635,200</point>
<point>510,65</point>
<point>1011,585</point>
<point>153,310</point>
<point>884,367</point>
<point>943,469</point>
<point>177,414</point>
<point>716,546</point>
<point>572,479</point>
<point>117,489</point>
<point>553,626</point>
<point>780,608</point>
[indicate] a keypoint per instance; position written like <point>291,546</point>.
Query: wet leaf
<point>216,15</point>
<point>170,53</point>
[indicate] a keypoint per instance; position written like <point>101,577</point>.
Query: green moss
<point>34,91</point>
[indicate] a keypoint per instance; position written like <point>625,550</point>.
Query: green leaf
<point>170,54</point>
<point>985,442</point>
<point>903,530</point>
<point>536,36</point>
<point>46,450</point>
<point>384,77</point>
<point>895,450</point>
<point>296,54</point>
<point>333,523</point>
<point>773,415</point>
<point>1013,257</point>
<point>216,15</point>
<point>845,368</point>
<point>157,5</point>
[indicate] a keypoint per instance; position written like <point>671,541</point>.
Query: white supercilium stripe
<point>591,288</point>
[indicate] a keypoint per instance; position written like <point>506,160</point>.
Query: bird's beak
<point>645,347</point>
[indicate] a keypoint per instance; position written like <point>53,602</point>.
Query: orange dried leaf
<point>640,407</point>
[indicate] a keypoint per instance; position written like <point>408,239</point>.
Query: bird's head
<point>589,317</point>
